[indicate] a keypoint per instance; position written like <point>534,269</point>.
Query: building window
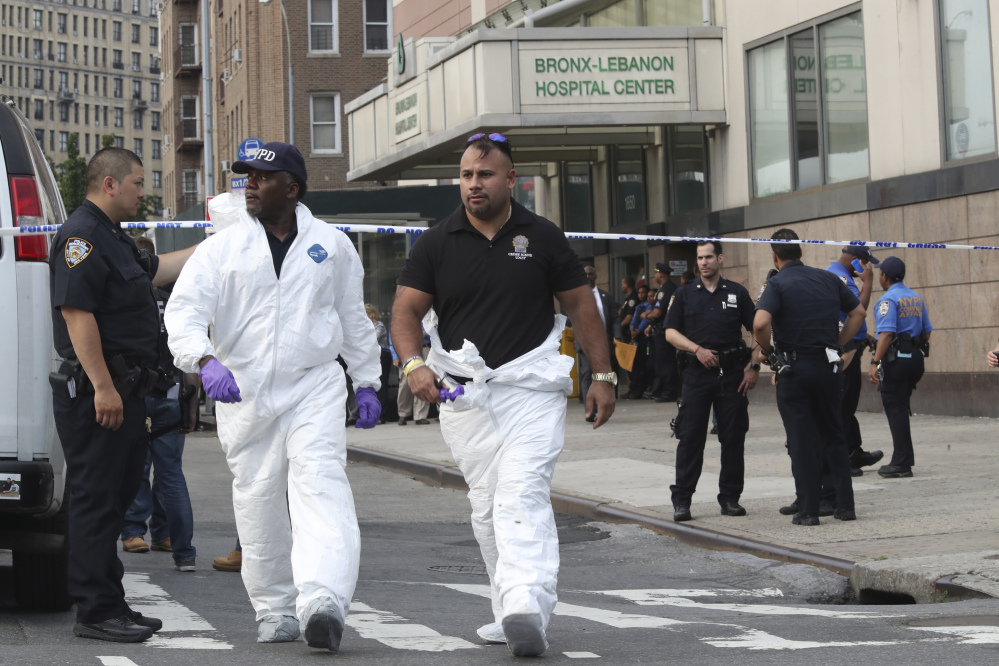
<point>64,81</point>
<point>189,118</point>
<point>803,134</point>
<point>119,117</point>
<point>154,122</point>
<point>322,25</point>
<point>116,5</point>
<point>137,120</point>
<point>40,137</point>
<point>190,182</point>
<point>63,140</point>
<point>136,6</point>
<point>578,197</point>
<point>136,37</point>
<point>39,83</point>
<point>688,168</point>
<point>39,109</point>
<point>157,175</point>
<point>119,87</point>
<point>154,92</point>
<point>325,120</point>
<point>119,141</point>
<point>188,35</point>
<point>157,152</point>
<point>629,185</point>
<point>136,89</point>
<point>136,62</point>
<point>61,24</point>
<point>116,30</point>
<point>36,50</point>
<point>968,103</point>
<point>137,147</point>
<point>62,51</point>
<point>154,36</point>
<point>36,19</point>
<point>377,29</point>
<point>116,62</point>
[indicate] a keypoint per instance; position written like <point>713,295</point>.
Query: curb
<point>446,476</point>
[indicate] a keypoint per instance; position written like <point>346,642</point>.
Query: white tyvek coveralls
<point>505,437</point>
<point>280,339</point>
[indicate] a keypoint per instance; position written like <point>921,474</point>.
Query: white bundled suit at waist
<point>505,434</point>
<point>280,339</point>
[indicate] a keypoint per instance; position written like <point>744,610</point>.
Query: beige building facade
<point>91,67</point>
<point>842,120</point>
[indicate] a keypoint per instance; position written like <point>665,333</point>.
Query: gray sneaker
<point>324,626</point>
<point>186,566</point>
<point>278,629</point>
<point>524,635</point>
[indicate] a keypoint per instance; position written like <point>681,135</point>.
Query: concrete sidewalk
<point>931,537</point>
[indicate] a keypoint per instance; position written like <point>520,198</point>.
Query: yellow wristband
<point>412,365</point>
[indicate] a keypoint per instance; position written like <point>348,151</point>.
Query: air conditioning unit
<point>237,55</point>
<point>166,139</point>
<point>167,212</point>
<point>225,75</point>
<point>75,61</point>
<point>97,123</point>
<point>225,165</point>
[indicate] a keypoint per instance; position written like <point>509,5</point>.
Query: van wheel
<point>40,581</point>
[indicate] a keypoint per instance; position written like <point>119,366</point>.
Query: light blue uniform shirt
<point>901,310</point>
<point>844,274</point>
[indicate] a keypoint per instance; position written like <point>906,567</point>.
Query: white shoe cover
<point>524,635</point>
<point>324,626</point>
<point>278,629</point>
<point>492,633</point>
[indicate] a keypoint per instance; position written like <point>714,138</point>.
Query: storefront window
<point>578,202</point>
<point>969,111</point>
<point>688,166</point>
<point>629,176</point>
<point>383,257</point>
<point>806,109</point>
<point>844,107</point>
<point>768,120</point>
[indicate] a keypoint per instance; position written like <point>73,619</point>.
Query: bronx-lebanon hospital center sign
<point>609,74</point>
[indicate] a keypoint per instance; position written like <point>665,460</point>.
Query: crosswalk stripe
<point>152,600</point>
<point>117,661</point>
<point>656,598</point>
<point>652,597</point>
<point>755,639</point>
<point>969,635</point>
<point>581,655</point>
<point>398,632</point>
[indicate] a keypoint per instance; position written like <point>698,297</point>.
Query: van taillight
<point>28,212</point>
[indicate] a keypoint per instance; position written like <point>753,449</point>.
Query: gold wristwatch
<point>605,377</point>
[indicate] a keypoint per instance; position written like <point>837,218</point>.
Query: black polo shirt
<point>279,248</point>
<point>93,267</point>
<point>805,303</point>
<point>713,320</point>
<point>496,293</point>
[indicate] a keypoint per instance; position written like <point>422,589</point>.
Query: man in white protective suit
<point>490,272</point>
<point>282,291</point>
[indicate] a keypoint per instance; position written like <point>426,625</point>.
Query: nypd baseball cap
<point>663,268</point>
<point>275,156</point>
<point>893,267</point>
<point>861,251</point>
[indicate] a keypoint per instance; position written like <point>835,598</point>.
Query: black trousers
<point>666,382</point>
<point>901,377</point>
<point>852,381</point>
<point>703,388</point>
<point>638,378</point>
<point>809,401</point>
<point>104,468</point>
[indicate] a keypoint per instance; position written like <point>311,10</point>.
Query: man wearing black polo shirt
<point>491,272</point>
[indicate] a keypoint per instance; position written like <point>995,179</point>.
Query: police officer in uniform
<point>662,353</point>
<point>704,322</point>
<point>903,328</point>
<point>800,306</point>
<point>105,323</point>
<point>627,309</point>
<point>638,378</point>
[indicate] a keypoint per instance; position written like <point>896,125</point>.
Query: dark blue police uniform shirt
<point>805,303</point>
<point>844,275</point>
<point>496,293</point>
<point>93,267</point>
<point>713,320</point>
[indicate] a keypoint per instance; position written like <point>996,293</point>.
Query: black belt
<point>461,380</point>
<point>806,354</point>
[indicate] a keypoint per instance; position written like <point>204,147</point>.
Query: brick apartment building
<point>90,67</point>
<point>339,49</point>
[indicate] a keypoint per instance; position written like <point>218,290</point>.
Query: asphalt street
<point>626,596</point>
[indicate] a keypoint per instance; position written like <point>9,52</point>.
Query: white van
<point>33,511</point>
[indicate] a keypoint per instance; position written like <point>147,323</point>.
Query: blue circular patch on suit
<point>318,253</point>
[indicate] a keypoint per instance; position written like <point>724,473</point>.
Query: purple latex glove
<point>368,408</point>
<point>452,395</point>
<point>219,383</point>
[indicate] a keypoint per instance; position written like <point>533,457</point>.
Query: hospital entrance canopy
<point>557,93</point>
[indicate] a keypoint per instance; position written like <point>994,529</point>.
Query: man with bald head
<point>491,272</point>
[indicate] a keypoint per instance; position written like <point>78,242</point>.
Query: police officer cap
<point>862,252</point>
<point>893,267</point>
<point>663,268</point>
<point>275,156</point>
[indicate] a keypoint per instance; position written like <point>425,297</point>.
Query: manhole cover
<point>471,570</point>
<point>963,621</point>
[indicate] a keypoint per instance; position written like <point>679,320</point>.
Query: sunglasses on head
<point>495,136</point>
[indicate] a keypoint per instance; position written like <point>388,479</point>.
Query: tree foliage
<point>72,175</point>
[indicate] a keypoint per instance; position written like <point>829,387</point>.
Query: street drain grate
<point>471,570</point>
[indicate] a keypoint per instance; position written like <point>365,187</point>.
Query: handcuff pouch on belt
<point>135,381</point>
<point>904,345</point>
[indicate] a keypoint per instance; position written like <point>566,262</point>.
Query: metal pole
<point>206,97</point>
<point>291,81</point>
<point>706,11</point>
